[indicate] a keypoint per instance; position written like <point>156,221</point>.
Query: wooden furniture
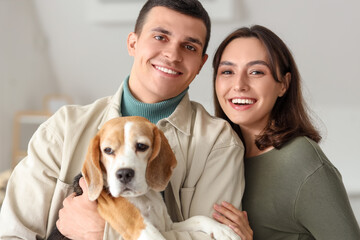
<point>25,124</point>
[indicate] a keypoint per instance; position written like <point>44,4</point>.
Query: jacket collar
<point>180,118</point>
<point>113,109</point>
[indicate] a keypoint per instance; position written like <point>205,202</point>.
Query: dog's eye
<point>108,151</point>
<point>141,147</point>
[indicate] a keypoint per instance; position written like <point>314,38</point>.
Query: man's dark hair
<point>191,8</point>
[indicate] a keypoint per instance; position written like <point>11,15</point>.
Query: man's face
<point>167,55</point>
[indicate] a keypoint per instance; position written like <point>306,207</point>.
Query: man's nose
<point>173,53</point>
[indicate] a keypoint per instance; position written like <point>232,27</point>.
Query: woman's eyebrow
<point>227,63</point>
<point>251,63</point>
<point>256,62</point>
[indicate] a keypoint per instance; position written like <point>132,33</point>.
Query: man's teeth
<point>242,101</point>
<point>166,70</point>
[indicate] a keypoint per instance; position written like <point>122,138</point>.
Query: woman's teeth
<point>242,101</point>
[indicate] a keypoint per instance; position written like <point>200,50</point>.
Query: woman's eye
<point>108,151</point>
<point>255,72</point>
<point>226,72</point>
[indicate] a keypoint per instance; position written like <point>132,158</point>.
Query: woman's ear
<point>131,43</point>
<point>285,84</point>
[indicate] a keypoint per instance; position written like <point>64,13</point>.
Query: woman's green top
<point>296,193</point>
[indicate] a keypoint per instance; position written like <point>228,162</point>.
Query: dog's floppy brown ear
<point>161,163</point>
<point>91,169</point>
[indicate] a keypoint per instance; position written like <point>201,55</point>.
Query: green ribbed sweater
<point>130,106</point>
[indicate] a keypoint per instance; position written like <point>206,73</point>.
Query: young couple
<point>292,190</point>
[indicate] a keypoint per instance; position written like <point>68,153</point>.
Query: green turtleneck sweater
<point>130,106</point>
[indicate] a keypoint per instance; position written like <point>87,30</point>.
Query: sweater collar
<point>181,118</point>
<point>130,106</point>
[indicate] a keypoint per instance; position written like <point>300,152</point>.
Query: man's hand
<point>79,218</point>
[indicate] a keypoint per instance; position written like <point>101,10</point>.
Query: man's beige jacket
<point>209,170</point>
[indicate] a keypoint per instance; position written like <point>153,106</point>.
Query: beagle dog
<point>128,163</point>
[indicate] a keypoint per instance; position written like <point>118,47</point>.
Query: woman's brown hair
<point>289,117</point>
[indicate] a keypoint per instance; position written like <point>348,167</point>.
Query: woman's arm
<point>323,206</point>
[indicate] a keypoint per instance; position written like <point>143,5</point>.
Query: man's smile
<point>167,70</point>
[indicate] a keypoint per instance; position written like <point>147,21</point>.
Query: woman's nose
<point>241,83</point>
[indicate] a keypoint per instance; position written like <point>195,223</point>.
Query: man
<point>169,49</point>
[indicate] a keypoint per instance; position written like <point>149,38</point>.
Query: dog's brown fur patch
<point>129,223</point>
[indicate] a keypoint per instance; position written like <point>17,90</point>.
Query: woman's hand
<point>79,218</point>
<point>229,215</point>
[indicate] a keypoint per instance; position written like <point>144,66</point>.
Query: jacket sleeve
<point>34,192</point>
<point>323,206</point>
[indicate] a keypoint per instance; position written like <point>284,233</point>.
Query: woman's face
<point>245,87</point>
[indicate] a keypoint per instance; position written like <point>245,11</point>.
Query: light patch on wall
<point>119,11</point>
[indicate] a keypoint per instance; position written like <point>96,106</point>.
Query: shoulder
<point>305,155</point>
<point>77,113</point>
<point>81,112</point>
<point>306,149</point>
<point>71,119</point>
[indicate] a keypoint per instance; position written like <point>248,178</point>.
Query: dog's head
<point>129,155</point>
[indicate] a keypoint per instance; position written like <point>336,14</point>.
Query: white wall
<point>89,60</point>
<point>25,70</point>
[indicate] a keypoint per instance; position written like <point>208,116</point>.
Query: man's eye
<point>141,147</point>
<point>108,151</point>
<point>160,38</point>
<point>191,48</point>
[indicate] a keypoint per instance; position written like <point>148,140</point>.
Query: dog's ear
<point>161,163</point>
<point>91,169</point>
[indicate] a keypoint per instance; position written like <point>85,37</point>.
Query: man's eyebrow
<point>164,31</point>
<point>194,40</point>
<point>161,30</point>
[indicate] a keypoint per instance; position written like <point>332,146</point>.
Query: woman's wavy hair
<point>289,117</point>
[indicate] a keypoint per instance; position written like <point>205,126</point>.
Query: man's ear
<point>204,58</point>
<point>131,43</point>
<point>285,84</point>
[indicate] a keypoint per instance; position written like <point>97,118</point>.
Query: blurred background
<point>74,51</point>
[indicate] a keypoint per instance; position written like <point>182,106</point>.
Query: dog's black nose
<point>125,175</point>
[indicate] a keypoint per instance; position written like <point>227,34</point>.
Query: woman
<point>292,190</point>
